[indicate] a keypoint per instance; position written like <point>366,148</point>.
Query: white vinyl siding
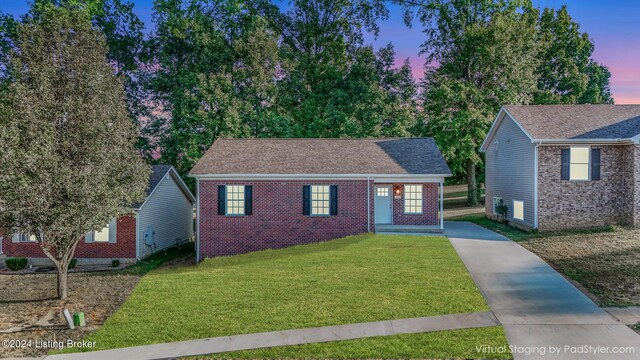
<point>167,214</point>
<point>579,163</point>
<point>413,199</point>
<point>510,170</point>
<point>518,210</point>
<point>235,200</point>
<point>319,199</point>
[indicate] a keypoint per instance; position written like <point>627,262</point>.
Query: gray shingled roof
<point>157,174</point>
<point>323,156</point>
<point>578,121</point>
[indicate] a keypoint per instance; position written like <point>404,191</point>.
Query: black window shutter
<point>595,164</point>
<point>306,200</point>
<point>564,172</point>
<point>333,198</point>
<point>221,199</point>
<point>248,200</point>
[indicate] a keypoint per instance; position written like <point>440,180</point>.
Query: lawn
<point>355,279</point>
<point>607,264</point>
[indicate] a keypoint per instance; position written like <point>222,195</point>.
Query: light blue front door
<point>382,204</point>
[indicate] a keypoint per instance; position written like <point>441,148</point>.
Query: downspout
<point>441,205</point>
<point>197,220</point>
<point>535,188</point>
<point>368,205</point>
<point>138,235</point>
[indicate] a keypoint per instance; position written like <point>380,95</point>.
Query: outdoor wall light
<point>397,190</point>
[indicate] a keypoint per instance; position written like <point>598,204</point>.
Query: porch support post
<point>441,204</point>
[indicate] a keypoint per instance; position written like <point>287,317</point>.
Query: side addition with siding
<point>166,216</point>
<point>510,171</point>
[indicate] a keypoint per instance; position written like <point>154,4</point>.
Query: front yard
<point>355,279</point>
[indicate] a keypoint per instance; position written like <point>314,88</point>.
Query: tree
<point>567,74</point>
<point>481,54</point>
<point>69,160</point>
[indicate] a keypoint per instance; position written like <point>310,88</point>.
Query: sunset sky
<point>613,26</point>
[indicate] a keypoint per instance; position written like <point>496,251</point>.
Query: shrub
<point>115,263</point>
<point>502,210</point>
<point>73,263</point>
<point>16,263</point>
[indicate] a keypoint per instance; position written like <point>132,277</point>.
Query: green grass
<point>355,279</point>
<point>454,194</point>
<point>517,234</point>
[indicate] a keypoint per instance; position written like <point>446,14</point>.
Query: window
<point>496,202</point>
<point>235,200</point>
<point>518,210</point>
<point>22,237</point>
<point>102,235</point>
<point>383,191</point>
<point>413,199</point>
<point>579,163</point>
<point>319,199</point>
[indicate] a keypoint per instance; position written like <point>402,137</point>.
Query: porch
<point>413,229</point>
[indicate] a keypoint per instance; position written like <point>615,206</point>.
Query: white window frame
<point>588,163</point>
<point>415,200</point>
<point>235,200</point>
<point>320,200</point>
<point>494,204</point>
<point>513,203</point>
<point>382,191</point>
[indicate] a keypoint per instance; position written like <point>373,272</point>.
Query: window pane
<point>518,210</point>
<point>580,155</point>
<point>319,199</point>
<point>235,199</point>
<point>579,172</point>
<point>102,235</point>
<point>413,199</point>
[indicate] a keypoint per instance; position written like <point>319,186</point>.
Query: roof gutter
<point>582,141</point>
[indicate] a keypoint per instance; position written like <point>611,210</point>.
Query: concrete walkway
<point>544,316</point>
<point>290,337</point>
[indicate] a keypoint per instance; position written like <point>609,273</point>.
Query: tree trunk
<point>472,189</point>
<point>62,278</point>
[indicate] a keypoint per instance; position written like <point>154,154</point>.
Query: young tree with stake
<point>68,157</point>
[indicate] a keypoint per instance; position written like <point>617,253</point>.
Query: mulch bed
<point>30,311</point>
<point>607,264</point>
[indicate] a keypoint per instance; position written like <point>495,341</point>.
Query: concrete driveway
<point>543,315</point>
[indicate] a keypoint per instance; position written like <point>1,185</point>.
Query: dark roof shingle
<point>322,156</point>
<point>578,121</point>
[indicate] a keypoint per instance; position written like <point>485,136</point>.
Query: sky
<point>613,26</point>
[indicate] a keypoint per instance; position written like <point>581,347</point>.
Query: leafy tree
<point>483,54</point>
<point>69,162</point>
<point>567,74</point>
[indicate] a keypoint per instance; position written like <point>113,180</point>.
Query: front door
<point>382,204</point>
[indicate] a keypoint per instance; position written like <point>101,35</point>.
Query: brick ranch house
<point>160,221</point>
<point>255,194</point>
<point>565,166</point>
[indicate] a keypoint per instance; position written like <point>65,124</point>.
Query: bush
<point>16,263</point>
<point>502,210</point>
<point>73,263</point>
<point>115,263</point>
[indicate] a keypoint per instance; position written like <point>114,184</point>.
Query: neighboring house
<point>256,194</point>
<point>162,220</point>
<point>565,166</point>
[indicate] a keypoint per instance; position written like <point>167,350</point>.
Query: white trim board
<point>377,178</point>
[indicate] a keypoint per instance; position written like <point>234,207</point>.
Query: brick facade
<point>277,220</point>
<point>614,199</point>
<point>123,248</point>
